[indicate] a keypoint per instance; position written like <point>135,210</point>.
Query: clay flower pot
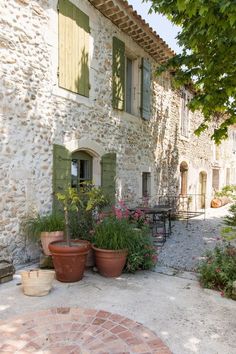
<point>69,262</point>
<point>110,263</point>
<point>48,237</point>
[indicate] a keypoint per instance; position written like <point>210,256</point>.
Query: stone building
<point>80,101</point>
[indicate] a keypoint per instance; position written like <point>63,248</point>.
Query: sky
<point>159,23</point>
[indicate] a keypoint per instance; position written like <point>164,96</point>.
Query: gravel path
<point>186,245</point>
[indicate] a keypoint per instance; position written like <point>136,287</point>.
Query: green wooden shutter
<point>73,48</point>
<point>61,170</point>
<point>108,167</point>
<point>146,89</point>
<point>118,74</point>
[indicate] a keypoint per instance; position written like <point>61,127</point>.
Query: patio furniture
<point>159,221</point>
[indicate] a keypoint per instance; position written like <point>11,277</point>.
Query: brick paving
<point>66,330</point>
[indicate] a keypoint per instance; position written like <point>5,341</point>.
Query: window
<point>71,169</point>
<point>184,178</point>
<point>125,72</point>
<point>185,99</point>
<point>81,168</point>
<point>146,184</point>
<point>73,71</point>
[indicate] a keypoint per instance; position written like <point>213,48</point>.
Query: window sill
<point>184,138</point>
<point>128,116</point>
<point>71,96</point>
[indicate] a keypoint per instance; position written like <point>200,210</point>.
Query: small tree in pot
<point>69,256</point>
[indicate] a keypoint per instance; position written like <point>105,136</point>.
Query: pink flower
<point>218,270</point>
<point>119,214</point>
<point>127,213</point>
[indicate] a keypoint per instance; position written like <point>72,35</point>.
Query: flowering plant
<point>218,270</point>
<point>116,231</point>
<point>137,217</point>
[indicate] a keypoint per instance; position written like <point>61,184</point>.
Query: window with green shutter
<point>73,48</point>
<point>118,74</point>
<point>146,89</point>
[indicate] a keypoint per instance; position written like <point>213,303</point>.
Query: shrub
<point>229,232</point>
<point>218,270</point>
<point>143,255</point>
<point>82,221</point>
<point>227,191</point>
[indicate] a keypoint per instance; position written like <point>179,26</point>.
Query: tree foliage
<point>208,60</point>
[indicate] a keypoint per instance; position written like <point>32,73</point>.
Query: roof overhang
<point>126,19</point>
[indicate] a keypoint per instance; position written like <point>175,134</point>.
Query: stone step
<point>6,272</point>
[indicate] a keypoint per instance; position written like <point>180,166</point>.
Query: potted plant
<point>69,256</point>
<point>82,220</point>
<point>48,228</point>
<point>113,239</point>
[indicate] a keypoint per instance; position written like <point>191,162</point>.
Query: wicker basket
<point>37,282</point>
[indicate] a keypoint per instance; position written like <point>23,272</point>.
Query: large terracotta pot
<point>48,237</point>
<point>110,263</point>
<point>69,262</point>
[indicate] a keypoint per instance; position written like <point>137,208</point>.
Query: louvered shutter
<point>61,171</point>
<point>108,177</point>
<point>73,48</point>
<point>146,89</point>
<point>118,74</point>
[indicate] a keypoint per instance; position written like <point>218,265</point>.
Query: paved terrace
<point>160,312</point>
<point>90,316</point>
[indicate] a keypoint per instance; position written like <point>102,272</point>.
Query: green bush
<point>82,221</point>
<point>227,191</point>
<point>229,232</point>
<point>143,255</point>
<point>218,270</point>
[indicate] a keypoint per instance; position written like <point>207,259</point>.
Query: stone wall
<point>36,113</point>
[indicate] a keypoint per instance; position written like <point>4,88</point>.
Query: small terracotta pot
<point>69,262</point>
<point>48,237</point>
<point>110,263</point>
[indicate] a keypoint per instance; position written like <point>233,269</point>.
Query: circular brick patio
<point>76,330</point>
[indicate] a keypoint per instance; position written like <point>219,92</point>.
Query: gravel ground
<point>185,247</point>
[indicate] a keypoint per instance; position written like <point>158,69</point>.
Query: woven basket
<point>37,282</point>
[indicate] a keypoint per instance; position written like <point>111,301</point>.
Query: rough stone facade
<point>36,113</point>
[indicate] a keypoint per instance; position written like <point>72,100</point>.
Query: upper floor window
<point>184,126</point>
<point>146,184</point>
<point>125,71</point>
<point>73,71</point>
